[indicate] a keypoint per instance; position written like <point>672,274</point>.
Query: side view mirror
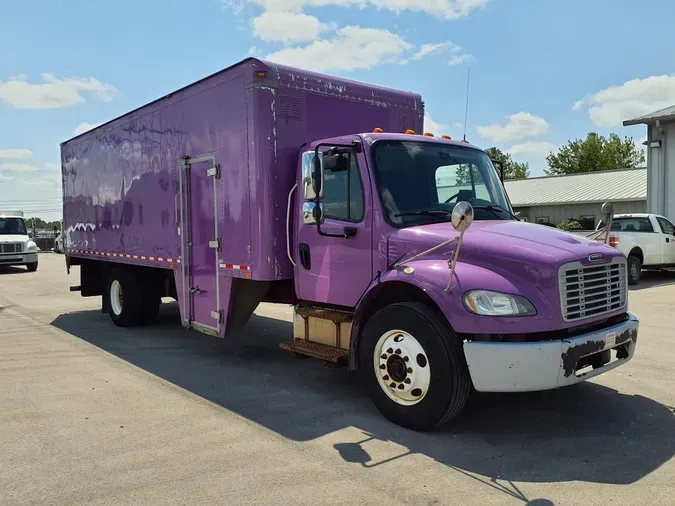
<point>500,168</point>
<point>312,213</point>
<point>607,212</point>
<point>317,175</point>
<point>30,235</point>
<point>309,181</point>
<point>462,216</point>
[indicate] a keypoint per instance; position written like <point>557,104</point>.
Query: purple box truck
<point>398,251</point>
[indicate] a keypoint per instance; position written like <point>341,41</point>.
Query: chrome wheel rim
<point>116,298</point>
<point>402,367</point>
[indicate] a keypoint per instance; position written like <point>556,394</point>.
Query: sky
<point>543,72</point>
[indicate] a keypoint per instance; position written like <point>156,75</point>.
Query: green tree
<point>512,169</point>
<point>595,153</point>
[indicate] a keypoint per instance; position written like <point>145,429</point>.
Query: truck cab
<point>409,245</point>
<point>16,244</point>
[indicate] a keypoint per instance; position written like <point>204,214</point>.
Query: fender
<point>428,282</point>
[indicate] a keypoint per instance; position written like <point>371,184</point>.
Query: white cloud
<point>458,59</point>
<point>5,179</point>
<point>431,126</point>
<point>17,167</point>
<point>85,127</point>
<point>533,149</point>
<point>611,106</point>
<point>15,154</point>
<point>287,27</point>
<point>444,9</point>
<point>518,126</point>
<point>252,51</point>
<point>352,48</point>
<point>53,93</point>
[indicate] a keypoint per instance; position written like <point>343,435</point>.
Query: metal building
<point>660,160</point>
<point>554,199</point>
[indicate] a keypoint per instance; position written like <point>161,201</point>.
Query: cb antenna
<point>466,110</point>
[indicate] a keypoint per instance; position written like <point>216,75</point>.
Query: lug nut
<point>398,351</point>
<point>406,381</point>
<point>392,384</point>
<point>390,351</point>
<point>401,387</point>
<point>405,359</point>
<point>383,357</point>
<point>409,370</point>
<point>382,366</point>
<point>385,377</point>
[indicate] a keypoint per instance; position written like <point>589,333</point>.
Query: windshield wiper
<point>498,210</point>
<point>424,212</point>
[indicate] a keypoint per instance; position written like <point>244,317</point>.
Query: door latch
<point>214,171</point>
<point>195,290</point>
<point>215,244</point>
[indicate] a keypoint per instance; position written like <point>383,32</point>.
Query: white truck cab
<point>647,240</point>
<point>16,244</point>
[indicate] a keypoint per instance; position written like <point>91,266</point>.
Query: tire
<point>443,366</point>
<point>634,270</point>
<point>151,305</point>
<point>32,267</point>
<point>126,298</point>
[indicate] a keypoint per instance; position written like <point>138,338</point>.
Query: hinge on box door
<point>214,171</point>
<point>217,315</point>
<point>215,244</point>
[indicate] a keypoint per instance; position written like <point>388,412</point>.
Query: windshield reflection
<point>420,182</point>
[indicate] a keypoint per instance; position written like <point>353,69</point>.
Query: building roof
<point>590,187</point>
<point>667,114</point>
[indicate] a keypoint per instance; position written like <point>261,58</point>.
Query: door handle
<point>305,258</point>
<point>667,239</point>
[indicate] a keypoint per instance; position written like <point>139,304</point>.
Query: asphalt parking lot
<point>90,413</point>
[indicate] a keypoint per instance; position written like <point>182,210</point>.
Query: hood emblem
<point>596,257</point>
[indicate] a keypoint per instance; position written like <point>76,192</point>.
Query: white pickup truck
<point>647,240</point>
<point>16,244</point>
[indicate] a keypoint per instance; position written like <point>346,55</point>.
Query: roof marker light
<point>378,130</point>
<point>428,134</point>
<point>446,137</point>
<point>410,132</point>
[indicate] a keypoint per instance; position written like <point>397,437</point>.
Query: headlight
<point>487,303</point>
<point>31,246</point>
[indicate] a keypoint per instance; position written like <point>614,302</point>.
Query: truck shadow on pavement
<point>653,279</point>
<point>586,432</point>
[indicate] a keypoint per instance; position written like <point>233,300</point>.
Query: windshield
<point>12,226</point>
<point>421,182</point>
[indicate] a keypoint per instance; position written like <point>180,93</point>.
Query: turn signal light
<point>410,132</point>
<point>261,74</point>
<point>378,131</point>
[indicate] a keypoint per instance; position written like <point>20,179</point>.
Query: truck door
<point>200,244</point>
<point>334,264</point>
<point>667,241</point>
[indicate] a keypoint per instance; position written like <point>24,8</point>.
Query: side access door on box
<point>200,244</point>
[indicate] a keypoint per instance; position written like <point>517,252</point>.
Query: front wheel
<point>32,267</point>
<point>413,365</point>
<point>634,270</point>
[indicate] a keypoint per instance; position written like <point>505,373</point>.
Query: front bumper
<point>18,258</point>
<point>545,365</point>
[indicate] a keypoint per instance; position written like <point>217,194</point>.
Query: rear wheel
<point>126,301</point>
<point>32,267</point>
<point>413,365</point>
<point>634,270</point>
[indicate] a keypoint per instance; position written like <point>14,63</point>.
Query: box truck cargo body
<point>267,183</point>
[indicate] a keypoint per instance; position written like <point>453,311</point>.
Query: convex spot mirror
<point>462,216</point>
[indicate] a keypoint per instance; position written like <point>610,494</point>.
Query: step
<point>316,350</point>
<point>322,313</point>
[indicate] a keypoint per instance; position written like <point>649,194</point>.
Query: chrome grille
<point>587,291</point>
<point>11,247</point>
